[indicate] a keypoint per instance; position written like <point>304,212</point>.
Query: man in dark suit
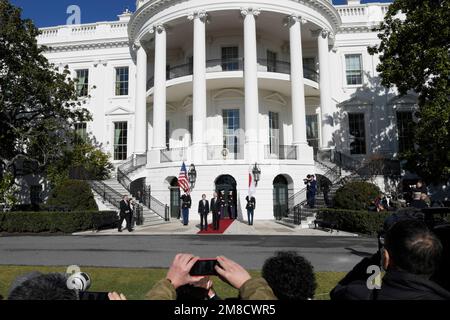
<point>125,213</point>
<point>215,209</point>
<point>231,209</point>
<point>251,206</point>
<point>203,210</point>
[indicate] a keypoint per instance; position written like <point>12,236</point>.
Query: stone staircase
<point>115,193</point>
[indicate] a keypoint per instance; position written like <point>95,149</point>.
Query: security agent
<point>411,254</point>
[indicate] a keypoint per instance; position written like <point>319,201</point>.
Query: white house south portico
<point>225,85</point>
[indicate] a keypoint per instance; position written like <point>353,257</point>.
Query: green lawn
<point>135,283</point>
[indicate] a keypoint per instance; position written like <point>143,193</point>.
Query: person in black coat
<point>410,256</point>
<point>186,204</point>
<point>215,210</point>
<point>251,206</point>
<point>231,208</point>
<point>125,214</point>
<point>203,210</point>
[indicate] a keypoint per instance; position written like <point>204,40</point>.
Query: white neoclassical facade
<point>226,84</point>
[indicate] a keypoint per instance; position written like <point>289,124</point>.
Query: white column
<point>140,133</point>
<point>159,94</point>
<point>297,83</point>
<point>251,84</point>
<point>325,91</point>
<point>199,85</point>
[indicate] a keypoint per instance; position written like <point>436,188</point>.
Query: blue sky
<point>47,13</point>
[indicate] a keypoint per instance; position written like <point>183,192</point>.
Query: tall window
<point>230,56</point>
<point>405,127</point>
<point>231,126</point>
<point>357,130</point>
<point>353,63</point>
<point>271,61</point>
<point>83,82</point>
<point>191,126</point>
<point>36,194</point>
<point>312,131</point>
<point>167,134</point>
<point>81,131</point>
<point>122,80</point>
<point>120,140</point>
<point>274,133</point>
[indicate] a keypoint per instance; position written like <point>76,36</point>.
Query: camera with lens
<point>81,282</point>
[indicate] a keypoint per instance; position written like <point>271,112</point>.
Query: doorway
<point>280,197</point>
<point>226,186</point>
<point>175,207</point>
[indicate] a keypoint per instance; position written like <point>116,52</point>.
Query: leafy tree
<point>415,56</point>
<point>84,159</point>
<point>8,191</point>
<point>38,104</point>
<point>356,196</point>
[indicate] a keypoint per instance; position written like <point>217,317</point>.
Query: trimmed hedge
<point>356,196</point>
<point>66,222</point>
<point>364,222</point>
<point>74,195</point>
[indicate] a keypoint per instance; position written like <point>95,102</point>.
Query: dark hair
<point>191,293</point>
<point>290,276</point>
<point>52,286</point>
<point>413,247</point>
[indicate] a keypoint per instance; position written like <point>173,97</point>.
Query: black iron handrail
<point>113,197</point>
<point>282,152</point>
<point>148,200</point>
<point>233,64</point>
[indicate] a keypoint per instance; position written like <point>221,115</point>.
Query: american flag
<point>183,180</point>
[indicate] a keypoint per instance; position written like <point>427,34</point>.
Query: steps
<point>150,217</point>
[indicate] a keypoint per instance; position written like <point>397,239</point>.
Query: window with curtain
<point>120,140</point>
<point>357,130</point>
<point>353,63</point>
<point>122,81</point>
<point>274,133</point>
<point>82,82</point>
<point>405,130</point>
<point>271,61</point>
<point>231,126</point>
<point>167,134</point>
<point>81,131</point>
<point>312,131</point>
<point>230,56</point>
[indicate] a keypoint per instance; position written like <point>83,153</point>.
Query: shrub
<point>364,222</point>
<point>66,222</point>
<point>74,195</point>
<point>356,196</point>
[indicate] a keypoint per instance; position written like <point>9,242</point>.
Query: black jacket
<point>396,285</point>
<point>215,205</point>
<point>203,209</point>
<point>251,203</point>
<point>124,208</point>
<point>186,201</point>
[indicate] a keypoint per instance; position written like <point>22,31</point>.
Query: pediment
<point>276,98</point>
<point>227,94</point>
<point>406,99</point>
<point>356,101</point>
<point>119,111</point>
<point>187,103</point>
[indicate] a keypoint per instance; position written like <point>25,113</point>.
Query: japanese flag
<point>251,186</point>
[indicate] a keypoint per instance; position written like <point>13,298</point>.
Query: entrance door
<point>280,197</point>
<point>175,208</point>
<point>226,185</point>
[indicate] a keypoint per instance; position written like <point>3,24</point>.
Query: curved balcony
<point>226,65</point>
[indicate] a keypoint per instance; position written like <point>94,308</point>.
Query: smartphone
<point>204,267</point>
<point>94,296</point>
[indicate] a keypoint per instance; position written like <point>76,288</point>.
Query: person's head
<point>313,176</point>
<point>411,247</point>
<point>52,286</point>
<point>419,184</point>
<point>204,197</point>
<point>125,197</point>
<point>215,194</point>
<point>423,197</point>
<point>290,276</point>
<point>308,176</point>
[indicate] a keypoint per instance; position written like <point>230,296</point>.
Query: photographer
<point>410,256</point>
<point>228,270</point>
